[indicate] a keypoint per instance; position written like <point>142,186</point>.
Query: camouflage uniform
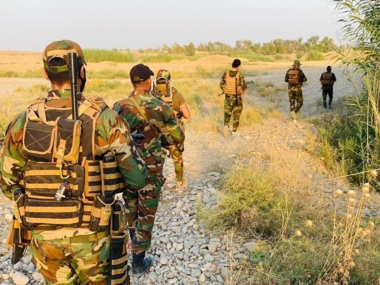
<point>175,153</point>
<point>67,255</point>
<point>142,204</point>
<point>233,104</point>
<point>295,90</point>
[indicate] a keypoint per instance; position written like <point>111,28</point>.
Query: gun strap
<point>141,111</point>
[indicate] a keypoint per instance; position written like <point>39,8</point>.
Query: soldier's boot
<point>324,104</point>
<point>140,264</point>
<point>330,104</point>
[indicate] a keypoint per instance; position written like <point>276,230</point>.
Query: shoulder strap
<point>134,102</point>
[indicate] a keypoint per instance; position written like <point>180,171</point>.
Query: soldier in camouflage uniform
<point>175,99</point>
<point>67,255</point>
<point>153,118</point>
<point>233,86</point>
<point>295,78</point>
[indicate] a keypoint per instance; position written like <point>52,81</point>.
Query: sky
<point>30,25</point>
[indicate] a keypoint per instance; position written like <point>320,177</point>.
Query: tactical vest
<point>293,76</point>
<point>327,79</point>
<point>65,184</point>
<point>232,85</point>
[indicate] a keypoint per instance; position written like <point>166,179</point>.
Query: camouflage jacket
<point>232,73</point>
<point>160,116</point>
<point>111,134</point>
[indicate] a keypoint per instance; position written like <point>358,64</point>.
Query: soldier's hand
<point>181,147</point>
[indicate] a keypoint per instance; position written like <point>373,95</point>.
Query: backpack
<point>293,76</point>
<point>232,84</point>
<point>163,90</point>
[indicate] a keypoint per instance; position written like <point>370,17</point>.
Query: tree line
<point>277,46</point>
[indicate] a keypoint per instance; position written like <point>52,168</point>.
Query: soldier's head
<point>140,76</point>
<point>296,64</point>
<point>236,63</point>
<point>328,68</point>
<point>56,62</point>
<point>163,75</point>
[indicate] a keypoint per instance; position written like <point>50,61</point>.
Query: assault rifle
<point>73,75</point>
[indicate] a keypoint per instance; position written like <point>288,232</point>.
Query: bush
<point>315,55</point>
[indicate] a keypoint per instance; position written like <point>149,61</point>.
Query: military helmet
<point>296,62</point>
<point>61,49</point>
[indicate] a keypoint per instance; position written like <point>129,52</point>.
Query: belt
<point>231,95</point>
<point>89,238</point>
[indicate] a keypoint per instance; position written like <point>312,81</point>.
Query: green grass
<point>26,74</point>
<point>100,55</point>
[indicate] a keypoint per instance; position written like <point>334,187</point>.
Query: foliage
<point>356,134</point>
<point>99,55</point>
<point>26,74</point>
<point>315,55</point>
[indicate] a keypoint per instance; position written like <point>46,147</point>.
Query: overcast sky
<point>29,25</point>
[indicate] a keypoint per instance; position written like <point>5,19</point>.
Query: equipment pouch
<point>119,221</point>
<point>36,212</point>
<point>119,253</point>
<point>38,141</point>
<point>112,182</point>
<point>42,179</point>
<point>67,142</point>
<point>101,213</point>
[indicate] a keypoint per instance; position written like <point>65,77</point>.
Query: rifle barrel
<point>73,74</point>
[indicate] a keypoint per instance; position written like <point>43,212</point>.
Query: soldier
<point>327,80</point>
<point>175,99</point>
<point>295,78</point>
<point>152,118</point>
<point>233,86</point>
<point>44,148</point>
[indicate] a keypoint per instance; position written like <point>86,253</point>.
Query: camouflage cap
<point>140,73</point>
<point>61,49</point>
<point>163,73</point>
<point>296,62</point>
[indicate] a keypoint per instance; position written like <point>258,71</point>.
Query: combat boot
<point>324,104</point>
<point>140,264</point>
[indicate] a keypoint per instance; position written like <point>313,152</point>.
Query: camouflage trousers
<point>73,260</point>
<point>233,106</point>
<point>295,98</point>
<point>141,208</point>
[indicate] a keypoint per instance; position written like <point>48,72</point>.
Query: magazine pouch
<point>119,253</point>
<point>101,213</point>
<point>118,221</point>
